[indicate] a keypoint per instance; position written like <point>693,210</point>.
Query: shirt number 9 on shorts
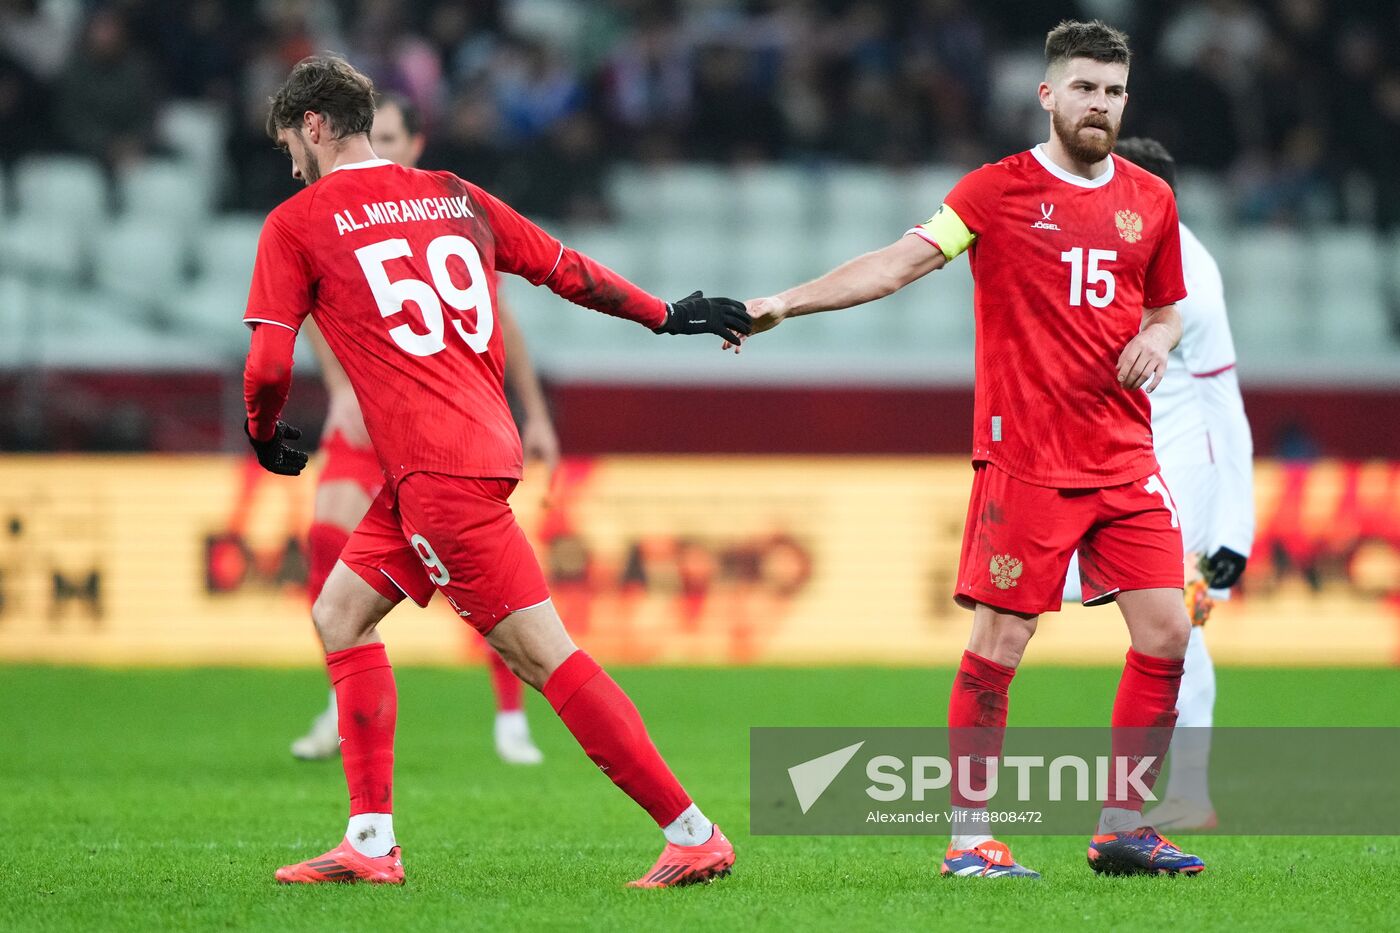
<point>391,295</point>
<point>436,571</point>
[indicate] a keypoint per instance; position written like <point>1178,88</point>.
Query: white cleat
<point>513,742</point>
<point>1179,813</point>
<point>322,742</point>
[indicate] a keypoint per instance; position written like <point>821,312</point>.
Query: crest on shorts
<point>1129,225</point>
<point>1005,570</point>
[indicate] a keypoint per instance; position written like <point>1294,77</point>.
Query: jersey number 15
<point>1099,297</point>
<point>392,295</point>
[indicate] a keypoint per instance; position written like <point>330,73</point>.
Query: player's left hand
<point>1143,361</point>
<point>1223,569</point>
<point>541,445</point>
<point>274,454</point>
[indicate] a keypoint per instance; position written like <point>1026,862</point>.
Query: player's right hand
<point>274,454</point>
<point>766,313</point>
<point>696,314</point>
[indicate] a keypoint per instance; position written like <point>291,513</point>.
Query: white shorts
<point>1193,487</point>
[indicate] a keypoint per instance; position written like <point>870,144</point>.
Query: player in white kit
<point>1206,454</point>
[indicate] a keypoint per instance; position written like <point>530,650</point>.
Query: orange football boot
<point>1198,602</point>
<point>681,865</point>
<point>343,865</point>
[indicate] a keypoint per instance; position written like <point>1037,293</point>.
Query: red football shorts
<point>455,533</point>
<point>345,462</point>
<point>1019,538</point>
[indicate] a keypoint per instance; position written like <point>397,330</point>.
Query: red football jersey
<point>397,267</point>
<point>1063,267</point>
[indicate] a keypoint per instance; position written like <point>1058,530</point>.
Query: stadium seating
<point>1268,306</point>
<point>140,258</point>
<point>170,266</point>
<point>1346,294</point>
<point>864,199</point>
<point>196,131</point>
<point>67,188</point>
<point>170,191</point>
<point>43,249</point>
<point>226,248</point>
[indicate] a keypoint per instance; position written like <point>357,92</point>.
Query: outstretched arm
<point>865,278</point>
<point>522,248</point>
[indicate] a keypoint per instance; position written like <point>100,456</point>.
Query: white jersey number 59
<point>391,296</point>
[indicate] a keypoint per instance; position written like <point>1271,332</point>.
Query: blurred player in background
<point>351,476</point>
<point>397,267</point>
<point>1076,257</point>
<point>1203,444</point>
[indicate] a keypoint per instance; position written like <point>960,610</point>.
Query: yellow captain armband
<point>946,230</point>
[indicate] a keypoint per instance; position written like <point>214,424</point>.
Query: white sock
<point>512,723</point>
<point>969,830</point>
<point>1190,750</point>
<point>371,834</point>
<point>1119,819</point>
<point>332,710</point>
<point>691,828</point>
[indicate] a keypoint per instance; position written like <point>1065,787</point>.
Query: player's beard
<point>1086,149</point>
<point>310,167</point>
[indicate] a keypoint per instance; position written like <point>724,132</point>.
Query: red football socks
<point>1144,714</point>
<point>506,685</point>
<point>976,723</point>
<point>611,731</point>
<point>323,543</point>
<point>368,707</point>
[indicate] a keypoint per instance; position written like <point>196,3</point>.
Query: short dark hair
<point>1151,155</point>
<point>1095,39</point>
<point>328,85</point>
<point>412,117</point>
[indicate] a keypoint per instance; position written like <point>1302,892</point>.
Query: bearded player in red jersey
<point>397,268</point>
<point>1077,262</point>
<point>351,476</point>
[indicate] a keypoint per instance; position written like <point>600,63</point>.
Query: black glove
<point>696,314</point>
<point>1223,569</point>
<point>274,454</point>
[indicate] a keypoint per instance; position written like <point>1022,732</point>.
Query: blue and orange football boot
<point>343,865</point>
<point>682,865</point>
<point>1141,851</point>
<point>991,859</point>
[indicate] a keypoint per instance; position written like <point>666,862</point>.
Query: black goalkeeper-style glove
<point>274,454</point>
<point>1223,569</point>
<point>696,314</point>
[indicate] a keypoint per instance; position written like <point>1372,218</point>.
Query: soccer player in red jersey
<point>396,266</point>
<point>1077,261</point>
<point>351,476</point>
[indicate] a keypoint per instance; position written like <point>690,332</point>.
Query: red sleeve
<point>267,377</point>
<point>281,292</point>
<point>522,248</point>
<point>1165,283</point>
<point>977,196</point>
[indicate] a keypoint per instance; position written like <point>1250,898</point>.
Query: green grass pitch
<point>141,800</point>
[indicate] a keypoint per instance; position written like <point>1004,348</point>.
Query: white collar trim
<point>1069,177</point>
<point>368,163</point>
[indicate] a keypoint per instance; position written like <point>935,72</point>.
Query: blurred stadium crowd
<point>1298,101</point>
